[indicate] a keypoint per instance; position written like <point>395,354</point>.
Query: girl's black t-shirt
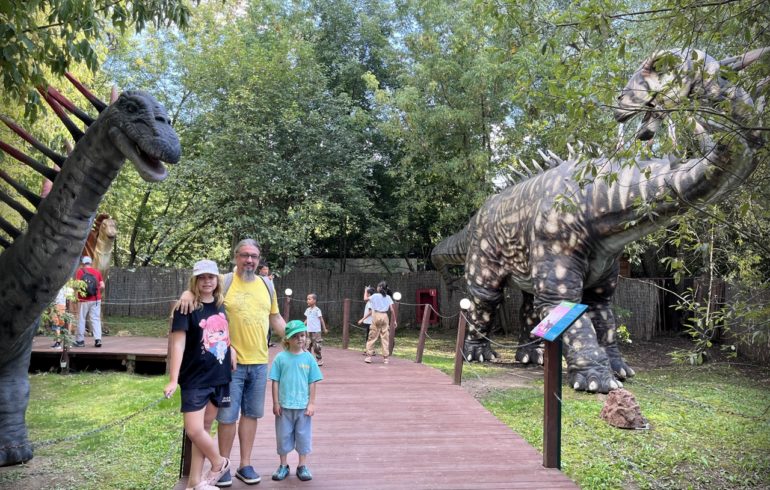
<point>206,359</point>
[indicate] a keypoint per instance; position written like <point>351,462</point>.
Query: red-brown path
<point>400,426</point>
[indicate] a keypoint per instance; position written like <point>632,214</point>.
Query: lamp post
<point>393,321</point>
<point>287,303</point>
<point>465,305</point>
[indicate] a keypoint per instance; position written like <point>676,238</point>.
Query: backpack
<point>92,285</point>
<point>268,284</point>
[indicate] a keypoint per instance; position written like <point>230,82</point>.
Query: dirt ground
<point>640,355</point>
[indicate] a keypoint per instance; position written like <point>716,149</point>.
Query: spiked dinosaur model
<point>555,253</point>
<point>39,260</point>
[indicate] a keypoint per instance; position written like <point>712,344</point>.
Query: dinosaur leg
<point>598,299</point>
<point>529,353</point>
<point>559,278</point>
<point>15,447</point>
<point>483,306</point>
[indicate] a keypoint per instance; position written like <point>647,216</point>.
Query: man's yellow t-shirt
<point>248,308</point>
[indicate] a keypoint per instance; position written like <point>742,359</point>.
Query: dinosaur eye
<point>131,108</point>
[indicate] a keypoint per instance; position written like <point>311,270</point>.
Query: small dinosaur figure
<point>555,253</point>
<point>100,241</point>
<point>37,262</point>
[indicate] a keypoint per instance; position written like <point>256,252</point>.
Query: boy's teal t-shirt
<point>294,373</point>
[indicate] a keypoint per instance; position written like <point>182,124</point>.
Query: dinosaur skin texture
<point>526,236</point>
<point>41,259</point>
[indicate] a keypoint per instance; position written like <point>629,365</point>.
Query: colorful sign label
<point>558,320</point>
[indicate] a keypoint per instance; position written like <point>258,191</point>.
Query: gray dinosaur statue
<point>38,261</point>
<point>555,253</point>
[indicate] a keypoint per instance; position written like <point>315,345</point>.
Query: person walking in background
<point>315,323</point>
<point>252,309</point>
<point>89,303</point>
<point>366,320</point>
<point>200,362</point>
<point>381,302</point>
<point>294,375</point>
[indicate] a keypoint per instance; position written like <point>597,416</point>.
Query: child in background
<point>315,322</point>
<point>294,375</point>
<point>367,318</point>
<point>200,361</point>
<point>60,317</point>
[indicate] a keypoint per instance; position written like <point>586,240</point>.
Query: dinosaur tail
<point>450,251</point>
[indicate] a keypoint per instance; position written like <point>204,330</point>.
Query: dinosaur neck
<point>58,230</point>
<point>672,187</point>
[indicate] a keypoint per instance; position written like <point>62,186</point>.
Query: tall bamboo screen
<point>148,292</point>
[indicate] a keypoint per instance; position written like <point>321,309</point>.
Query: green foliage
<point>41,36</point>
<point>72,288</point>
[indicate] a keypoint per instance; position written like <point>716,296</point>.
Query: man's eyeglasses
<point>249,256</point>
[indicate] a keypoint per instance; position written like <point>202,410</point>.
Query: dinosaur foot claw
<point>530,354</point>
<point>478,350</point>
<point>593,380</point>
<point>622,370</point>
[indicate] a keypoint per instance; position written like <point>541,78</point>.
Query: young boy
<point>315,322</point>
<point>294,375</point>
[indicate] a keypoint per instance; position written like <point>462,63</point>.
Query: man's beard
<point>248,275</point>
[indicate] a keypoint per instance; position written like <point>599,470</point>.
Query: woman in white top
<point>380,303</point>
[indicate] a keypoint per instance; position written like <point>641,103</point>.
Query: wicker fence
<point>148,292</point>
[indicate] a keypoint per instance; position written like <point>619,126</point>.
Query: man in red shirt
<point>89,303</point>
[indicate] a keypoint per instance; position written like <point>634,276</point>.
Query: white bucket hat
<point>205,267</point>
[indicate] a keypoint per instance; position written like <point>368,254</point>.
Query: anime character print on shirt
<point>216,336</point>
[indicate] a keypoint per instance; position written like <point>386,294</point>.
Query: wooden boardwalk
<point>128,350</point>
<point>400,426</point>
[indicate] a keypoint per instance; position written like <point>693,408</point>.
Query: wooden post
<point>459,356</point>
<point>345,323</point>
<point>423,332</point>
<point>393,321</point>
<point>184,468</point>
<point>64,362</point>
<point>552,408</point>
<point>286,307</point>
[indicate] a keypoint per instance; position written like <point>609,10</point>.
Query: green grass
<point>710,426</point>
<point>98,453</point>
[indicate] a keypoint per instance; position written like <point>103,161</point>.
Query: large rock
<point>621,410</point>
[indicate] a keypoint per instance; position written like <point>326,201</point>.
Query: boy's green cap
<point>294,327</point>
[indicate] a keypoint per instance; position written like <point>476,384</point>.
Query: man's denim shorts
<point>247,394</point>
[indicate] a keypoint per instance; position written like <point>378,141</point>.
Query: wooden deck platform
<point>128,350</point>
<point>400,426</point>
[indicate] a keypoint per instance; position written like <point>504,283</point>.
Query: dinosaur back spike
<point>7,227</point>
<point>16,206</point>
<point>38,167</point>
<point>30,196</point>
<point>64,101</point>
<point>73,129</point>
<point>55,157</point>
<point>100,106</point>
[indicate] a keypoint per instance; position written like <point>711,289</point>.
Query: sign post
<point>551,329</point>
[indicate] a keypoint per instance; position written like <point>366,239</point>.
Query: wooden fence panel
<point>147,292</point>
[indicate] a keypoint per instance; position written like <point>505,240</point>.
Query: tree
<point>40,38</point>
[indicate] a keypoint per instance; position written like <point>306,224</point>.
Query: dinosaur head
<point>663,81</point>
<point>141,130</point>
<point>668,77</point>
